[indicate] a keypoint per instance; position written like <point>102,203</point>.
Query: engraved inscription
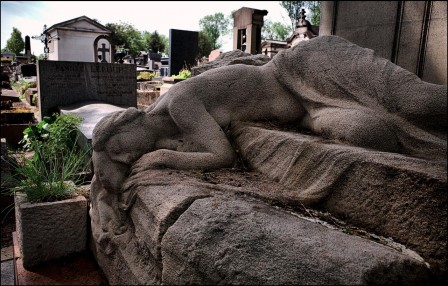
<point>62,83</point>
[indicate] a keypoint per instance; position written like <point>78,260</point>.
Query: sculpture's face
<point>112,164</point>
<point>110,173</point>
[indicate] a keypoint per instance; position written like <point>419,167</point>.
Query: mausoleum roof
<point>69,25</point>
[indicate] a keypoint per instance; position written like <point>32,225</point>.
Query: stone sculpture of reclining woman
<point>328,85</point>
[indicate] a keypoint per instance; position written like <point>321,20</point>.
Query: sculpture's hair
<point>112,124</point>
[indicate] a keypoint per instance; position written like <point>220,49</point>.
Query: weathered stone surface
<point>157,208</point>
<point>390,194</point>
<point>199,227</point>
<point>225,240</point>
<point>48,231</point>
<point>231,58</point>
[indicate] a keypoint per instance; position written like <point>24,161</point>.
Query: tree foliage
<point>127,36</point>
<point>214,26</point>
<point>314,7</point>
<point>275,31</point>
<point>204,45</point>
<point>294,7</point>
<point>15,43</point>
<point>155,42</point>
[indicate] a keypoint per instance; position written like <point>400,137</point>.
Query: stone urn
<point>50,230</point>
<point>120,55</point>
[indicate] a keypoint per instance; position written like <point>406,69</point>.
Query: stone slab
<point>232,240</point>
<point>193,227</point>
<point>91,112</point>
<point>7,268</point>
<point>63,83</point>
<point>389,194</point>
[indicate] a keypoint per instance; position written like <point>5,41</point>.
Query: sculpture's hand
<point>151,160</point>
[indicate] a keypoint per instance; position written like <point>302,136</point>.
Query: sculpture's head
<point>118,140</point>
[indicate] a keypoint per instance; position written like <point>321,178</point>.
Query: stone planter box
<point>48,231</point>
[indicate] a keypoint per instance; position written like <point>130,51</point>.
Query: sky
<point>30,16</point>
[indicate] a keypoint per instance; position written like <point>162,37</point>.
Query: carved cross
<point>103,51</point>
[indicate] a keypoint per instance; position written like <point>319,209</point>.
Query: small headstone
<point>28,70</point>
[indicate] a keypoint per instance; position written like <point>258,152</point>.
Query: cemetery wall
<point>412,34</point>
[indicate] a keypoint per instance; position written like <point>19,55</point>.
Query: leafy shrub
<point>52,135</point>
<point>57,160</point>
<point>146,76</point>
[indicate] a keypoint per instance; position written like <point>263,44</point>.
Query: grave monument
<point>205,185</point>
<point>90,90</point>
<point>247,24</point>
<point>183,50</point>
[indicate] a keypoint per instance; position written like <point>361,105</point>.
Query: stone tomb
<point>72,87</point>
<point>160,216</point>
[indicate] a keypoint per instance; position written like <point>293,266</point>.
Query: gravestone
<point>62,83</point>
<point>28,48</point>
<point>26,70</point>
<point>183,50</point>
<point>89,90</point>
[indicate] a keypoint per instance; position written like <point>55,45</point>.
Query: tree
<point>314,7</point>
<point>204,45</point>
<point>274,31</point>
<point>214,26</point>
<point>15,44</point>
<point>155,42</point>
<point>294,7</point>
<point>126,36</point>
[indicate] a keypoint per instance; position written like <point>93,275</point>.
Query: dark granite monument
<point>183,50</point>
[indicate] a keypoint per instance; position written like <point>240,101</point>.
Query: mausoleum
<point>73,40</point>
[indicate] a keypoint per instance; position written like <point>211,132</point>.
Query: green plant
<point>58,162</point>
<point>183,73</point>
<point>146,76</point>
<point>22,86</point>
<point>50,177</point>
<point>52,135</point>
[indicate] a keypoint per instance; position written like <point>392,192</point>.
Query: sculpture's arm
<point>198,127</point>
